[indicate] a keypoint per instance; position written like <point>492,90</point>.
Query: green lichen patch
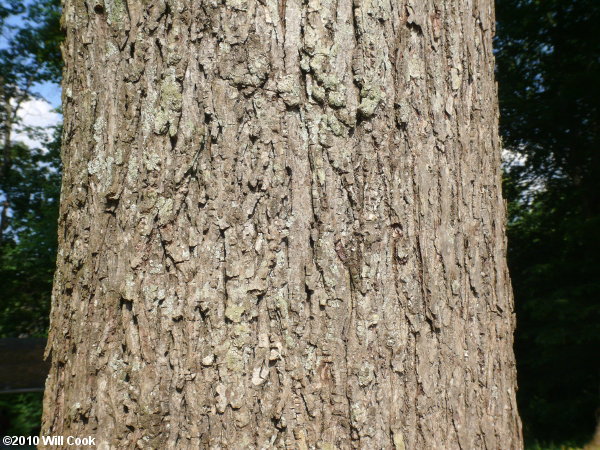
<point>170,106</point>
<point>116,12</point>
<point>235,312</point>
<point>318,93</point>
<point>370,98</point>
<point>336,99</point>
<point>335,125</point>
<point>170,94</point>
<point>161,122</point>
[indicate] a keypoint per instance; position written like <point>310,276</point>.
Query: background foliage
<point>29,177</point>
<point>548,68</point>
<point>548,56</point>
<point>29,188</point>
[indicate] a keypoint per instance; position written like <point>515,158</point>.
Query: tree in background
<point>29,177</point>
<point>29,189</point>
<point>548,56</point>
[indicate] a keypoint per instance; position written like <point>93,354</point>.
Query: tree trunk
<point>281,227</point>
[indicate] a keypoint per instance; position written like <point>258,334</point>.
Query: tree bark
<point>281,227</point>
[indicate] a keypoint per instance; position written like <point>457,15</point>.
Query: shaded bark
<point>281,226</point>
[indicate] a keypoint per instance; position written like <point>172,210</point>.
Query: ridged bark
<point>282,227</point>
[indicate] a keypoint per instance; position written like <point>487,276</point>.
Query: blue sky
<point>34,112</point>
<point>49,91</point>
